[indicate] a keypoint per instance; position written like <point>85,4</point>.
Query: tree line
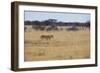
<point>53,23</point>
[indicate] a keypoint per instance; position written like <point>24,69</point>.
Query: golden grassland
<point>64,45</point>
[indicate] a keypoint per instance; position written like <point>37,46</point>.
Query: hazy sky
<point>60,16</point>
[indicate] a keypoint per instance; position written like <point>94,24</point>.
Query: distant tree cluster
<point>52,24</point>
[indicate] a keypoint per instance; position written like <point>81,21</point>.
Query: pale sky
<point>60,16</point>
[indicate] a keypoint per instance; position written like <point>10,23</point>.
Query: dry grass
<point>64,45</point>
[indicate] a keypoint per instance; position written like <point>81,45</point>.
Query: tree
<point>36,23</point>
<point>46,23</point>
<point>87,24</point>
<point>27,22</point>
